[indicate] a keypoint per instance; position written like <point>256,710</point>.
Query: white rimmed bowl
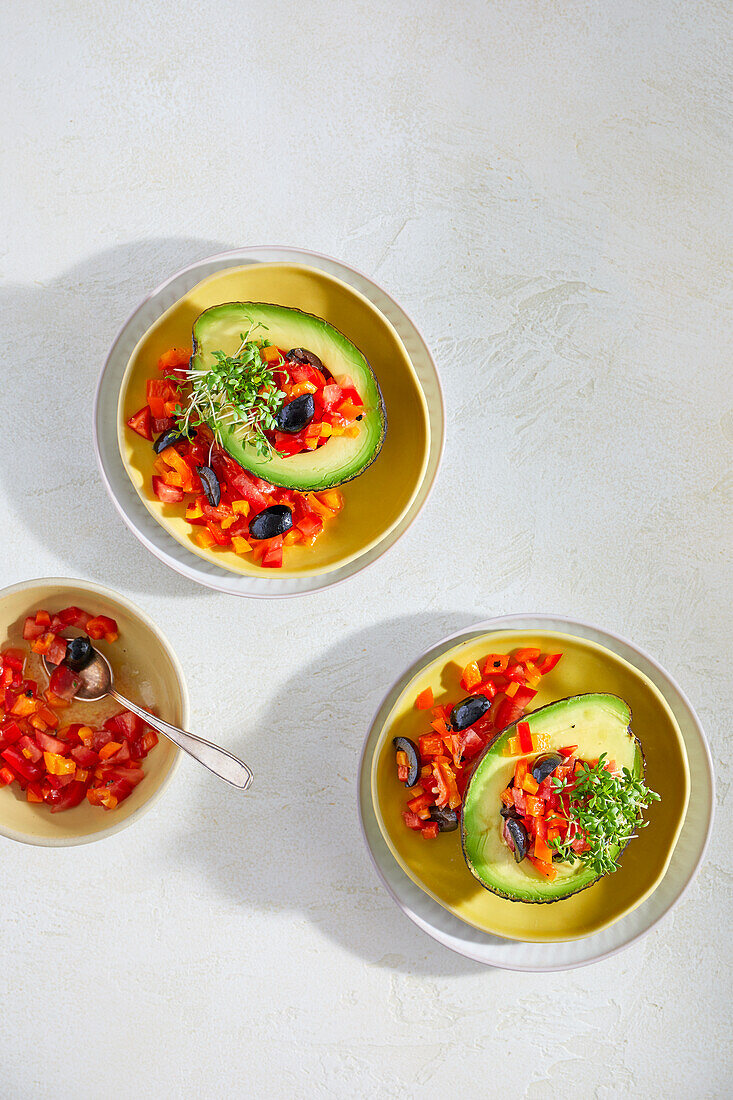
<point>688,854</point>
<point>145,666</point>
<point>126,499</point>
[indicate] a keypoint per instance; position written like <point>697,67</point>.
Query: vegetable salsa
<point>286,404</point>
<point>436,769</point>
<point>51,759</point>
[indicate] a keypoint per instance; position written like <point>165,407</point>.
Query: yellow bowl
<point>438,867</point>
<point>146,670</point>
<point>375,502</point>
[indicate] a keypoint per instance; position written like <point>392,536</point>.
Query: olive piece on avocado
<point>79,652</point>
<point>299,412</point>
<point>447,819</point>
<point>545,765</point>
<point>468,711</point>
<point>518,838</point>
<point>302,355</point>
<point>270,522</point>
<point>409,748</point>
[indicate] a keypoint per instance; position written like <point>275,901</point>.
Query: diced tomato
<point>84,756</point>
<point>10,732</point>
<point>57,650</point>
<point>167,494</point>
<point>6,776</point>
<point>32,629</point>
<point>142,422</point>
<point>65,798</point>
<point>64,683</point>
<point>523,696</point>
<point>507,714</point>
<point>519,800</point>
<point>162,397</point>
<point>51,744</point>
<point>568,751</point>
<point>430,831</point>
<point>472,744</point>
<point>412,821</point>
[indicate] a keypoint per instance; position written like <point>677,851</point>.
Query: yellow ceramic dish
<point>375,502</point>
<point>145,669</point>
<point>438,867</point>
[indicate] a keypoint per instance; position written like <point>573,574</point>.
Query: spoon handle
<point>217,760</point>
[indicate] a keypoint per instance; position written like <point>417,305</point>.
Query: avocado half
<point>341,458</point>
<point>596,724</point>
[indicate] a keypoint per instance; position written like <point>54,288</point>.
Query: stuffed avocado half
<point>514,853</point>
<point>313,343</point>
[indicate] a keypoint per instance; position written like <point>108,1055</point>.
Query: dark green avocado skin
<point>502,734</point>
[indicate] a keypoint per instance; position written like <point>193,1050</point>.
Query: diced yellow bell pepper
<point>511,689</point>
<point>204,538</point>
<point>241,507</point>
<point>228,522</point>
<point>270,355</point>
<point>241,546</point>
<point>326,431</point>
<point>194,510</point>
<point>58,765</point>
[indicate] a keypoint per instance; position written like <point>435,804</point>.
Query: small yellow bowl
<point>145,669</point>
<point>376,501</point>
<point>437,866</point>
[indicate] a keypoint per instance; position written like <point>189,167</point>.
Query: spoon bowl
<point>96,681</point>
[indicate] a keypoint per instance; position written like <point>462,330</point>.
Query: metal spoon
<point>97,682</point>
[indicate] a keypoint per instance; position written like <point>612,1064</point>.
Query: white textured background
<point>544,186</point>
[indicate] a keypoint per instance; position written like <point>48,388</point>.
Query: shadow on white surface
<point>294,841</point>
<point>55,340</point>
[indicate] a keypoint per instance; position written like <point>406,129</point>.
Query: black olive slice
<point>447,819</point>
<point>518,837</point>
<point>270,522</point>
<point>468,711</point>
<point>302,355</point>
<point>79,652</point>
<point>545,765</point>
<point>294,416</point>
<point>172,436</point>
<point>409,748</point>
<point>210,485</point>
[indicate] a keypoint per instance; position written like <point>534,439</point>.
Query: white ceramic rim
<point>271,588</point>
<point>93,587</point>
<point>466,936</point>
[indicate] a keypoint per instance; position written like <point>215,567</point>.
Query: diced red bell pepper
<point>425,699</point>
<point>568,751</point>
<point>545,869</point>
<point>525,737</point>
<point>162,397</point>
<point>527,654</point>
<point>523,696</point>
<point>546,664</point>
<point>13,658</point>
<point>10,732</point>
<point>6,776</point>
<point>18,763</point>
<point>175,361</point>
<point>142,422</point>
<point>430,744</point>
<point>507,713</point>
<point>421,802</point>
<point>495,664</point>
<point>472,744</point>
<point>446,785</point>
<point>431,830</point>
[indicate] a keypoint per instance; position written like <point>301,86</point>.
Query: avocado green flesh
<point>341,458</point>
<point>596,724</point>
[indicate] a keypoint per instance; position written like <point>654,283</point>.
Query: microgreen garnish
<point>236,391</point>
<point>607,808</point>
